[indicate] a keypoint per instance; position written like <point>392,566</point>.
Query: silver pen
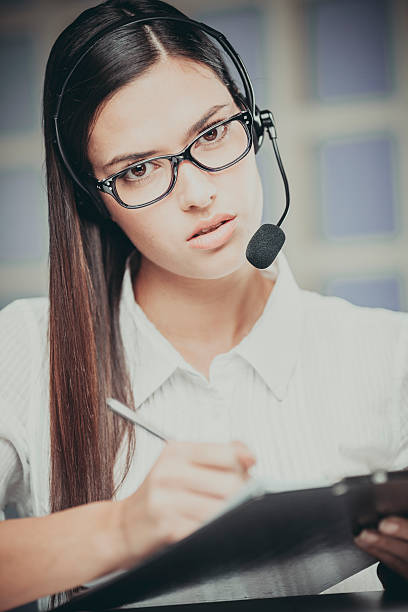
<point>129,415</point>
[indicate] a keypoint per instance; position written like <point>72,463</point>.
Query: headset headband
<point>221,39</point>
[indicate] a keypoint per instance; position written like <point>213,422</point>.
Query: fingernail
<point>368,537</point>
<point>388,526</point>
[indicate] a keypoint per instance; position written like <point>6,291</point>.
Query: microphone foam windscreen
<point>264,245</point>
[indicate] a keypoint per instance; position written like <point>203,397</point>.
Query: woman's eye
<point>211,135</point>
<point>138,172</point>
<point>214,134</point>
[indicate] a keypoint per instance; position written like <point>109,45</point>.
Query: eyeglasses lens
<point>217,147</point>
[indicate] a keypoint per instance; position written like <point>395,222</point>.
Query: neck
<point>202,313</point>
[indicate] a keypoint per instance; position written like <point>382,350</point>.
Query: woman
<point>158,307</point>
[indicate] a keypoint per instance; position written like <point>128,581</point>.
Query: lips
<point>214,234</point>
<point>212,224</point>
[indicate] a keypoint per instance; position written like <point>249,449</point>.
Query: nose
<point>195,188</point>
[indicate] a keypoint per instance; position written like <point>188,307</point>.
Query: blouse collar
<point>271,347</point>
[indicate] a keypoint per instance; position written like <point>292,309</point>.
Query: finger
<point>391,561</point>
<point>394,526</point>
<point>245,456</point>
<point>231,456</point>
<point>375,541</point>
<point>394,563</point>
<point>216,483</point>
<point>216,455</point>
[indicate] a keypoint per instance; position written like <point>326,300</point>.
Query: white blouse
<point>318,390</point>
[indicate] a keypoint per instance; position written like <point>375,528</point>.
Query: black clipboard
<point>272,545</point>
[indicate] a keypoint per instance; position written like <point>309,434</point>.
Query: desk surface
<point>339,602</point>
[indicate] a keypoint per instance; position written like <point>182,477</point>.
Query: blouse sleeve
<point>15,380</point>
<point>11,475</point>
<point>400,395</point>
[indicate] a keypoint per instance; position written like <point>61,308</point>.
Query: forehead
<point>155,109</point>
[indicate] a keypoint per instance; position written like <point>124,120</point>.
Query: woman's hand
<point>389,544</point>
<point>188,484</point>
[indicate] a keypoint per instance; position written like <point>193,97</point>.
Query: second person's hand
<point>388,544</point>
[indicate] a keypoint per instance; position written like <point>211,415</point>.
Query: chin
<point>223,262</point>
<point>217,266</point>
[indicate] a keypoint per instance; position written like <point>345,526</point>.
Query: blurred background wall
<point>335,74</point>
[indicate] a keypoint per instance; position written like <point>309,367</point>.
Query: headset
<point>268,240</point>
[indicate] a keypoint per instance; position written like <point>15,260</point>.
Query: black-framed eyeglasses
<point>149,180</point>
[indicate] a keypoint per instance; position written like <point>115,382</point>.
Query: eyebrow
<point>192,131</point>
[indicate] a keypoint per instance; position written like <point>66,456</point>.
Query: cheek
<point>244,186</point>
<point>142,226</point>
<point>246,171</point>
<point>130,221</point>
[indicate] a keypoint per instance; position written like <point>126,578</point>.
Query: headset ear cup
<point>257,130</point>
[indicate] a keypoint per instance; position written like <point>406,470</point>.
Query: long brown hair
<point>88,253</point>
